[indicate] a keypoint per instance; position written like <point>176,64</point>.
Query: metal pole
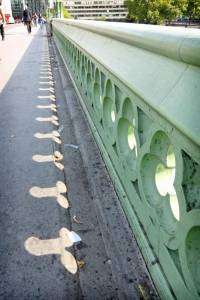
<point>58,9</point>
<point>23,4</point>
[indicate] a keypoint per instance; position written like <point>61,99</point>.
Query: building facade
<point>96,9</point>
<point>17,8</point>
<point>38,6</point>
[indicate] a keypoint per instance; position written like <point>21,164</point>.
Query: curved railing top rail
<point>182,44</point>
<point>159,64</point>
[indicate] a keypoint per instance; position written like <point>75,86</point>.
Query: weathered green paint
<point>59,9</point>
<point>140,90</point>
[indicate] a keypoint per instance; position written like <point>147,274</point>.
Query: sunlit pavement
<point>17,40</point>
<point>62,232</point>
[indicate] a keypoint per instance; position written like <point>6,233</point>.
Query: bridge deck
<point>108,260</point>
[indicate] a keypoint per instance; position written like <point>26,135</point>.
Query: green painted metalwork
<point>140,87</point>
<point>59,9</point>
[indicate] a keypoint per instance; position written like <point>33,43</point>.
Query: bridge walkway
<point>63,232</point>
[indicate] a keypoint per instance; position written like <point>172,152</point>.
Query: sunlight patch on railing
<point>164,178</point>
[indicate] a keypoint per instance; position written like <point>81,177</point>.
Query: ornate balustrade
<point>140,89</point>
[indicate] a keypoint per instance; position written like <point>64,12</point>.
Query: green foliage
<point>102,18</point>
<point>66,14</point>
<point>136,10</point>
<point>155,11</point>
<point>193,9</point>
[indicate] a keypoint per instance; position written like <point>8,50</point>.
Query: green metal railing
<point>140,89</point>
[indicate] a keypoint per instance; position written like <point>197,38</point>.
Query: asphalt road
<point>46,198</point>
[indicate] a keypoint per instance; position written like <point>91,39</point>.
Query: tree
<point>66,14</point>
<point>168,10</point>
<point>193,9</point>
<point>155,11</point>
<point>137,10</point>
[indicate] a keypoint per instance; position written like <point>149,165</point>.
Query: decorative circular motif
<point>127,140</point>
<point>158,172</point>
<point>189,250</point>
<point>109,111</point>
<point>158,165</point>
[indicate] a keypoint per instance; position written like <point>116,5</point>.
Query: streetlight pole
<point>58,9</point>
<point>23,4</point>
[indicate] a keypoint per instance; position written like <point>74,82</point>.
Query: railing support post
<point>58,9</point>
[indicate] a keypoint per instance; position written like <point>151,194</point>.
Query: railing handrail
<point>143,108</point>
<point>174,94</point>
<point>181,44</point>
